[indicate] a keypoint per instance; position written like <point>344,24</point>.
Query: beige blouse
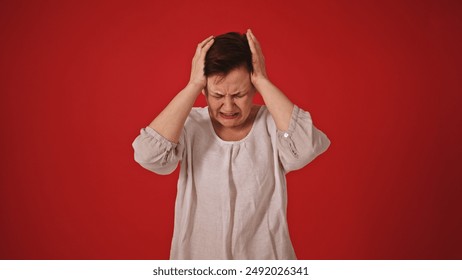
<point>231,198</point>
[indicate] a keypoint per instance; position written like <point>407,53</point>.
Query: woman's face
<point>230,98</point>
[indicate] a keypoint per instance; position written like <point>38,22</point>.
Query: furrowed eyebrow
<point>240,93</point>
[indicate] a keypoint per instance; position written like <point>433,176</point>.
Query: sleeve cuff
<point>159,138</point>
<point>296,114</point>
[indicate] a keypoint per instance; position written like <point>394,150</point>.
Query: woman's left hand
<point>258,60</point>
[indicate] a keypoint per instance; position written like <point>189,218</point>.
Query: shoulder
<point>264,123</point>
<point>198,118</point>
<point>198,114</point>
<point>264,118</point>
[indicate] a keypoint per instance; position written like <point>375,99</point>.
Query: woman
<point>231,199</point>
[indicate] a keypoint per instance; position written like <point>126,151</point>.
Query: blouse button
<point>286,135</point>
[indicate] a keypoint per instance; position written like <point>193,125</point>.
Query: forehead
<point>236,80</point>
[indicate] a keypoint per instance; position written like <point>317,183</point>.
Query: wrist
<point>195,87</point>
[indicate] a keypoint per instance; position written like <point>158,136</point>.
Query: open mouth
<point>229,116</point>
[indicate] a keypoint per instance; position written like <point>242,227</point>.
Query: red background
<point>382,80</point>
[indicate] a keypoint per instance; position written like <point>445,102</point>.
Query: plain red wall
<point>382,79</point>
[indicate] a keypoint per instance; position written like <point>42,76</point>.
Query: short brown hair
<point>228,52</point>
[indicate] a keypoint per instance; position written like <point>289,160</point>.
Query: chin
<point>229,124</point>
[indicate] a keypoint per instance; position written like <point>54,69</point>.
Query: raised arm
<point>169,123</point>
<point>279,106</point>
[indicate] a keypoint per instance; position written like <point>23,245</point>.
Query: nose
<point>228,104</point>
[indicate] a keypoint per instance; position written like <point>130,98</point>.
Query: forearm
<point>169,123</point>
<point>279,106</point>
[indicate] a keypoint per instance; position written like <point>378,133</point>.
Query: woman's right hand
<point>197,71</point>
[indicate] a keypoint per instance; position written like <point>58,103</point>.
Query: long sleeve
<point>301,143</point>
<point>156,153</point>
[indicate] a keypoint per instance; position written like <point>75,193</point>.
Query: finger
<point>249,31</point>
<point>251,42</point>
<point>203,43</point>
<point>204,50</point>
<point>252,36</point>
<point>207,46</point>
<point>254,39</point>
<point>199,57</point>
